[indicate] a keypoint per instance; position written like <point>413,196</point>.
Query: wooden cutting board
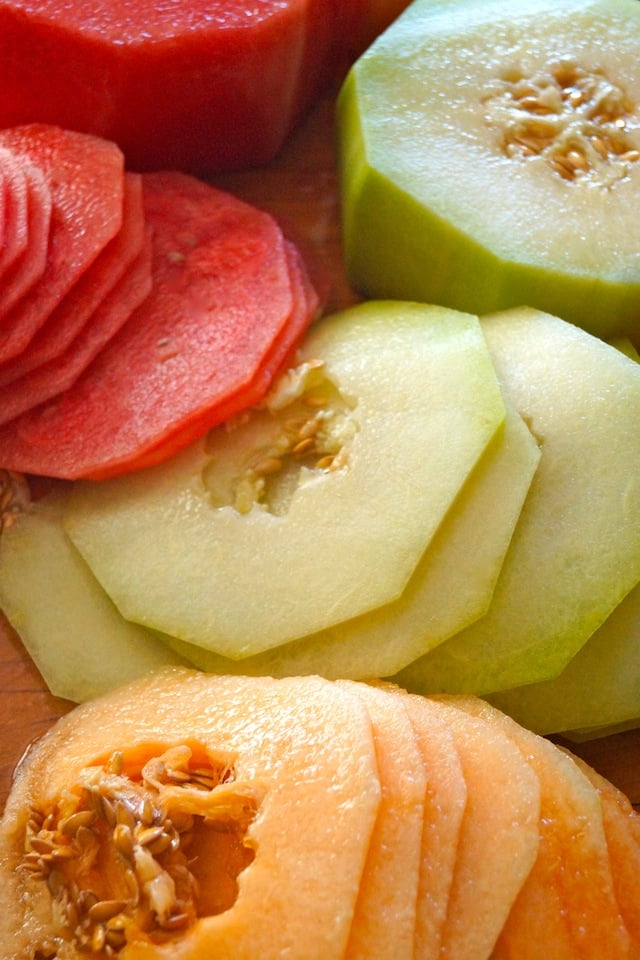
<point>300,188</point>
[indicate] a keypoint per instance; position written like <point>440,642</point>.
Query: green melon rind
<point>444,219</point>
<point>426,402</point>
<point>576,551</point>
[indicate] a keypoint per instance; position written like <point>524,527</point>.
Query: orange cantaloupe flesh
<point>498,836</point>
<point>445,804</point>
<point>385,915</point>
<point>303,747</point>
<point>570,891</point>
<point>622,830</point>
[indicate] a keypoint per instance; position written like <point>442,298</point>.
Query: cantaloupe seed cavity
<point>576,119</point>
<point>140,846</point>
<point>305,426</point>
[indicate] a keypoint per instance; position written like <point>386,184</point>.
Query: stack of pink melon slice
<point>136,310</point>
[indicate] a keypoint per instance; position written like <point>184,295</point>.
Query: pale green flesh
<point>450,588</point>
<point>76,637</point>
<point>433,209</point>
<point>576,550</point>
<point>599,687</point>
<point>424,403</point>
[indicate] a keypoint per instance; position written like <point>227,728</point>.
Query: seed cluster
<point>14,497</point>
<point>114,851</point>
<point>577,120</point>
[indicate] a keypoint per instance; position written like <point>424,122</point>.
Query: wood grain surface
<point>300,188</point>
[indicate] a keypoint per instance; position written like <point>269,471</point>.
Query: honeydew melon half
<point>494,145</point>
<point>575,553</point>
<point>451,586</point>
<point>316,507</point>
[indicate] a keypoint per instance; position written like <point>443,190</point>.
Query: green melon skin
<point>434,208</point>
<point>413,402</point>
<point>575,553</point>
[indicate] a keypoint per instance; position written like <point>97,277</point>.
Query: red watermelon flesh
<point>68,319</point>
<point>85,177</point>
<point>221,296</point>
<point>305,308</point>
<point>16,230</point>
<point>29,266</point>
<point>59,373</point>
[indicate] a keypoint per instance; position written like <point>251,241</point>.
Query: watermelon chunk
<point>200,86</point>
<point>222,295</point>
<point>85,177</point>
<point>29,266</point>
<point>59,373</point>
<point>67,320</point>
<point>16,229</point>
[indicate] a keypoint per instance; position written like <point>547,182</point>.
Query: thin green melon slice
<point>384,919</point>
<point>495,148</point>
<point>569,892</point>
<point>599,687</point>
<point>261,532</point>
<point>451,586</point>
<point>76,637</point>
<point>575,552</point>
<point>498,842</point>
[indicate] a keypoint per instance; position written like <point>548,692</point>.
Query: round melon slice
<point>266,790</point>
<point>312,508</point>
<point>494,144</point>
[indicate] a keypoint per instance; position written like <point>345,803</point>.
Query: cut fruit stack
<point>480,493</point>
<point>123,291</point>
<point>331,820</point>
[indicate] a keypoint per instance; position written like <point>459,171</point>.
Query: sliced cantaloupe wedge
<point>622,831</point>
<point>445,804</point>
<point>499,827</point>
<point>570,890</point>
<point>385,915</point>
<point>287,767</point>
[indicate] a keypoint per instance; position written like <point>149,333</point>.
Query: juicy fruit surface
<point>576,550</point>
<point>190,815</point>
<point>382,477</point>
<point>461,102</point>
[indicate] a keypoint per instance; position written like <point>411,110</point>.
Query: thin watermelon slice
<point>29,266</point>
<point>222,295</point>
<point>68,319</point>
<point>58,374</point>
<point>85,176</point>
<point>16,230</point>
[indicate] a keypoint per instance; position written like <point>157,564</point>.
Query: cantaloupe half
<point>499,827</point>
<point>385,915</point>
<point>445,805</point>
<point>570,892</point>
<point>576,550</point>
<point>79,641</point>
<point>288,767</point>
<point>350,465</point>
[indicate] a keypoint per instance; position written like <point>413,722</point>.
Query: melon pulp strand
<point>349,466</point>
<point>494,144</point>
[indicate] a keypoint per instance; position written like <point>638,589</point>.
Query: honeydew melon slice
<point>304,793</point>
<point>494,145</point>
<point>76,637</point>
<point>499,828</point>
<point>570,890</point>
<point>451,586</point>
<point>575,553</point>
<point>384,919</point>
<point>391,406</point>
<point>599,687</point>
